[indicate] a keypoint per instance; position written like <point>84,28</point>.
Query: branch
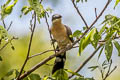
<point>29,48</point>
<point>49,31</point>
<point>109,72</point>
<point>4,24</point>
<point>41,63</point>
<point>108,2</point>
<point>7,43</point>
<point>73,1</point>
<point>9,26</point>
<point>96,12</point>
<point>86,32</point>
<point>65,49</point>
<point>45,52</point>
<point>39,53</point>
<point>86,61</point>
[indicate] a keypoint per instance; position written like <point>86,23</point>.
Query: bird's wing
<point>69,32</point>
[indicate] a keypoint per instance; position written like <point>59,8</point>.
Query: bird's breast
<point>60,35</point>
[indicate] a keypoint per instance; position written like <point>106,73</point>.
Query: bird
<point>61,34</point>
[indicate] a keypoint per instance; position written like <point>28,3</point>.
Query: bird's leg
<point>53,41</point>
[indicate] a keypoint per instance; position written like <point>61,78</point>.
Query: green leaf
<point>0,58</point>
<point>49,9</point>
<point>23,8</point>
<point>93,68</point>
<point>10,73</point>
<point>77,1</point>
<point>60,75</point>
<point>77,33</point>
<point>108,49</point>
<point>116,3</point>
<point>45,78</point>
<point>26,78</point>
<point>3,33</point>
<point>16,73</point>
<point>7,2</point>
<point>7,9</point>
<point>34,77</point>
<point>72,72</point>
<point>94,37</point>
<point>37,7</point>
<point>117,45</point>
<point>102,29</point>
<point>83,43</point>
<point>100,52</point>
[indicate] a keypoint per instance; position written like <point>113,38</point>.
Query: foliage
<point>81,1</point>
<point>116,3</point>
<point>6,9</point>
<point>108,35</point>
<point>3,34</point>
<point>92,37</point>
<point>37,7</point>
<point>14,71</point>
<point>60,75</point>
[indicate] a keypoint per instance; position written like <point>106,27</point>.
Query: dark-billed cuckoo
<point>61,34</point>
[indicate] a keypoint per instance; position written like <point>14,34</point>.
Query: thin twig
<point>86,61</point>
<point>40,53</point>
<point>7,43</point>
<point>73,1</point>
<point>90,28</point>
<point>9,26</point>
<point>110,72</point>
<point>4,24</point>
<point>96,12</point>
<point>45,52</point>
<point>49,32</point>
<point>29,48</point>
<point>31,25</point>
<point>63,50</point>
<point>41,1</point>
<point>102,74</point>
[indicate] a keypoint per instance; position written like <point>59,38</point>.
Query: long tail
<point>59,62</point>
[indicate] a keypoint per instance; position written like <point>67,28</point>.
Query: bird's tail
<point>59,62</point>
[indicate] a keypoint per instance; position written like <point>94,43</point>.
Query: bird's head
<point>56,18</point>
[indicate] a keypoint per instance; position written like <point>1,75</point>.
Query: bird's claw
<point>53,41</point>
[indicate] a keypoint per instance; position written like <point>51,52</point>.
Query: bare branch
<point>40,53</point>
<point>9,26</point>
<point>102,74</point>
<point>112,70</point>
<point>49,31</point>
<point>109,72</point>
<point>4,24</point>
<point>86,61</point>
<point>108,2</point>
<point>73,1</point>
<point>96,12</point>
<point>29,48</point>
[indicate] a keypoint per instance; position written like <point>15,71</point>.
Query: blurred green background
<point>13,59</point>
